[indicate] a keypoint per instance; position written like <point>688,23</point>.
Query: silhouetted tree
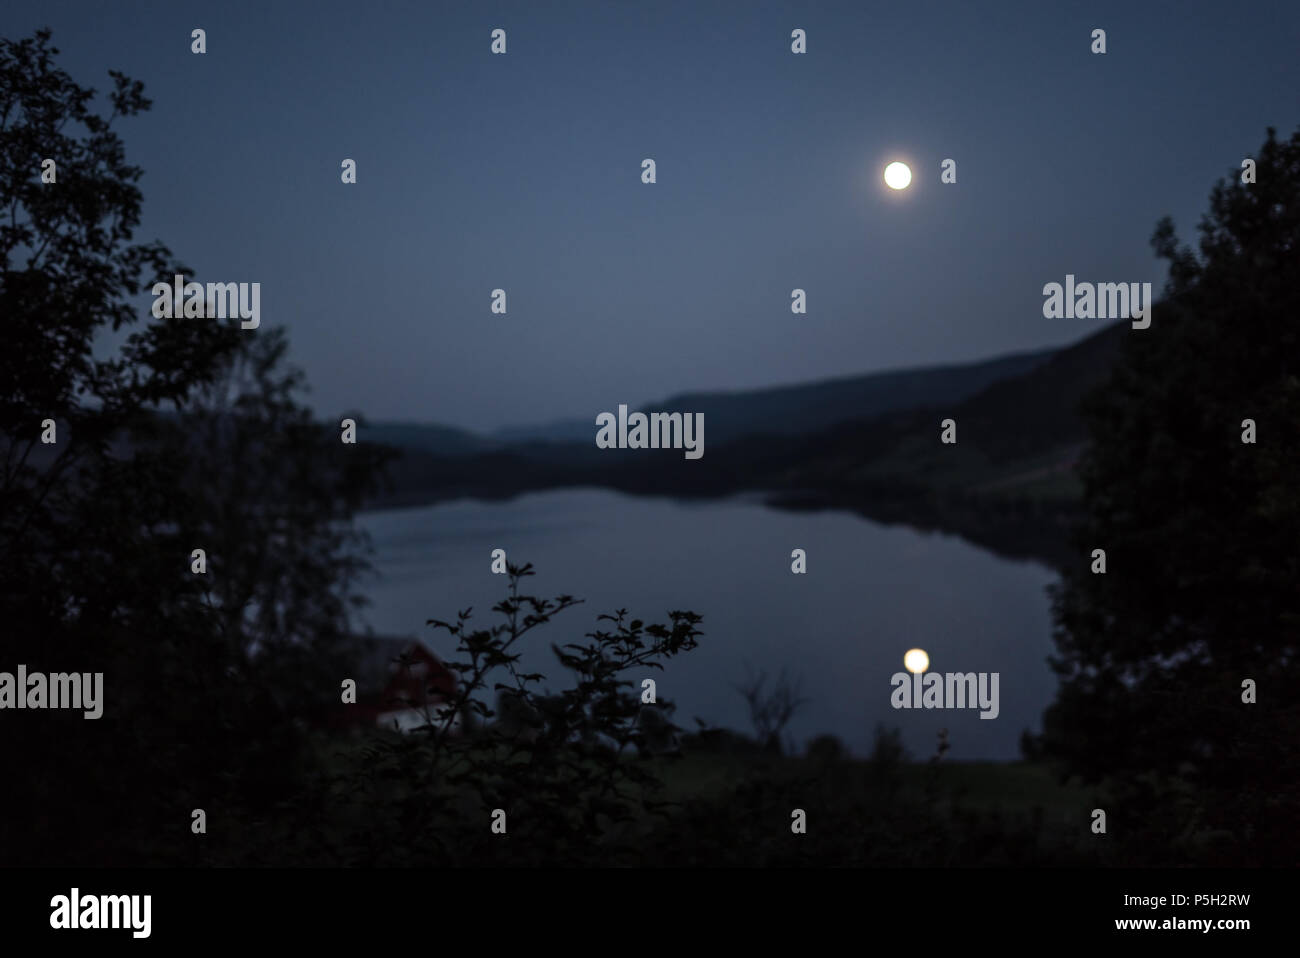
<point>1202,588</point>
<point>97,530</point>
<point>771,709</point>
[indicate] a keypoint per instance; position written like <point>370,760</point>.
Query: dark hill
<point>808,407</point>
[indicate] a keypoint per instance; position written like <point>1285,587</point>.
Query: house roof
<point>417,677</point>
<point>394,673</point>
<point>377,658</point>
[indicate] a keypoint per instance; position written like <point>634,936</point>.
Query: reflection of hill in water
<point>1008,483</point>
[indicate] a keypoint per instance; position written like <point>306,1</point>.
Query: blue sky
<point>523,172</point>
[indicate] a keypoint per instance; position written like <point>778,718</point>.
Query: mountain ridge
<point>794,407</point>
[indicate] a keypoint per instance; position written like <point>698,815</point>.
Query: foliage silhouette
<point>771,708</point>
<point>578,776</point>
<point>1202,589</point>
<point>172,435</point>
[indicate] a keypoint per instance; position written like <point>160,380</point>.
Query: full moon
<point>915,660</point>
<point>897,176</point>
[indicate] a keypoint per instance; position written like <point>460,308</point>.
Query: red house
<point>401,684</point>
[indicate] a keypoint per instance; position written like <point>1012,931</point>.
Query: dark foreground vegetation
<point>586,776</point>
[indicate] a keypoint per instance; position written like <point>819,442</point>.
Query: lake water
<point>871,592</point>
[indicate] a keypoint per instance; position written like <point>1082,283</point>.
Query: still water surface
<point>871,592</point>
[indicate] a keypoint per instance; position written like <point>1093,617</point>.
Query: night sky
<point>522,172</point>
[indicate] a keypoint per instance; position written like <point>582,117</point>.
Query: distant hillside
<point>560,430</point>
<point>1008,484</point>
<point>789,410</point>
<point>1018,424</point>
<point>428,438</point>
